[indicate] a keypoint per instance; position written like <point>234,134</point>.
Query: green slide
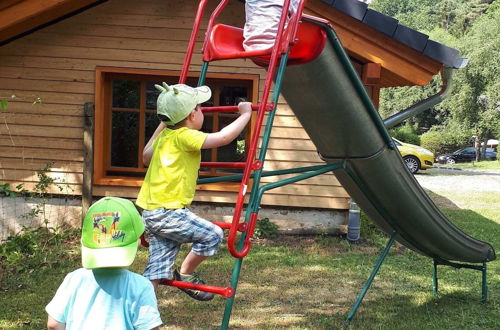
<point>329,100</point>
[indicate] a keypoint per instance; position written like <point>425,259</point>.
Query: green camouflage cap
<point>110,233</point>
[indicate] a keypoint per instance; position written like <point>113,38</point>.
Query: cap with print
<point>177,101</point>
<point>110,233</point>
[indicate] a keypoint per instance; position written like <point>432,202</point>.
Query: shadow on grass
<point>441,201</point>
<point>301,283</point>
<point>458,310</point>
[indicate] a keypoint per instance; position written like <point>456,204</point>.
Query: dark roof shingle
<point>406,35</point>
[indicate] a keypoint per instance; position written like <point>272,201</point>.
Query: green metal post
<point>370,279</point>
<point>237,177</point>
<point>484,293</point>
<point>281,183</point>
<point>435,277</point>
<point>230,301</point>
<point>257,176</point>
<point>203,74</point>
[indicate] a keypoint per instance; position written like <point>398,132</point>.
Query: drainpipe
<point>423,105</point>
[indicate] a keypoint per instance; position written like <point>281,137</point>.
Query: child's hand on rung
<point>244,107</point>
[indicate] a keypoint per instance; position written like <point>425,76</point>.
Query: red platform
<point>226,42</point>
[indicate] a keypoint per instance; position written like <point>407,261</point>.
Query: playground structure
<point>308,59</point>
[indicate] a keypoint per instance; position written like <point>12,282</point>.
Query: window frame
<point>102,122</point>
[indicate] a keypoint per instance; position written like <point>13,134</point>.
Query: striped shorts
<point>168,229</point>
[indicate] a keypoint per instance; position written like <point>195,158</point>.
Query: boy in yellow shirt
<point>173,154</point>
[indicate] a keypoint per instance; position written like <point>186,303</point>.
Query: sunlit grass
<point>482,165</point>
<point>307,283</point>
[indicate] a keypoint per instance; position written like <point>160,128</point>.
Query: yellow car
<point>415,157</point>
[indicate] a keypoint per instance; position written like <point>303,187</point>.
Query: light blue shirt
<point>108,298</point>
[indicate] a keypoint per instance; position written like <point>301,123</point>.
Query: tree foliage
<point>473,108</point>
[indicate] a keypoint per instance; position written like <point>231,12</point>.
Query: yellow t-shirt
<point>171,178</point>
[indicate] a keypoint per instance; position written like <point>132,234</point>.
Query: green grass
<point>296,282</point>
<point>483,165</point>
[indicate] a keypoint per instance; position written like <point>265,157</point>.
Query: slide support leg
<point>484,291</point>
<point>435,278</point>
<point>368,283</point>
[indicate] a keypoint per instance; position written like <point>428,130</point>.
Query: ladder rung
<point>227,225</point>
<point>234,108</point>
<point>220,290</point>
<point>223,164</point>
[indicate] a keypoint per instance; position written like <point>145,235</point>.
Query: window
<point>125,119</point>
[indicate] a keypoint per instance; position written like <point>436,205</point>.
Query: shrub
<point>34,248</point>
<point>406,133</point>
<point>447,139</point>
<point>265,229</point>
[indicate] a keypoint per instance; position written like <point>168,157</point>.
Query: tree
<point>470,26</point>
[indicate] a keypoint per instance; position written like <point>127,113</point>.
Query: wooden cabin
<point>69,66</point>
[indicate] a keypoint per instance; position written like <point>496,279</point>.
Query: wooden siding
<point>57,65</point>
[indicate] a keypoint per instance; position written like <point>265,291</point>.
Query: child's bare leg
<point>191,262</point>
<point>155,283</point>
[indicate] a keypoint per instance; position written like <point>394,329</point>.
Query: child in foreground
<point>173,154</point>
<point>104,294</point>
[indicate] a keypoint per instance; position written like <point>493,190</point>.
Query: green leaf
<point>4,104</point>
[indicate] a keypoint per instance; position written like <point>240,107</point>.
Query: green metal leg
<point>229,302</point>
<point>484,293</point>
<point>370,279</point>
<point>482,268</point>
<point>435,278</point>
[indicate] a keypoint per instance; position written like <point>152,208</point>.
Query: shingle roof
<point>391,27</point>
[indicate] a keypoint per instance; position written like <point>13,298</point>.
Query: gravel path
<point>458,180</point>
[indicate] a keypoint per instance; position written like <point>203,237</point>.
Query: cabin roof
<point>391,27</point>
<point>407,57</point>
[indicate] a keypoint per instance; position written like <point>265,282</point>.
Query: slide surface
<point>328,101</point>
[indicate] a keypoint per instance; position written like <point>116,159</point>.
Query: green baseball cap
<point>177,101</point>
<point>110,233</point>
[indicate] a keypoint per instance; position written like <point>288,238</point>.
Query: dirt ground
<point>436,179</point>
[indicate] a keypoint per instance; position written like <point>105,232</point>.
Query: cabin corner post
<point>88,156</point>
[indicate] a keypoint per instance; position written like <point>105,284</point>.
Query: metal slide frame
<point>381,127</point>
<point>253,167</point>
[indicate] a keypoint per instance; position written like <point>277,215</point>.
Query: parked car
<point>464,155</point>
<point>415,157</point>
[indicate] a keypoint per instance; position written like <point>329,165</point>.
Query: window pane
<point>232,95</point>
<point>124,139</point>
<point>152,123</point>
<point>126,94</point>
<point>151,96</point>
<point>235,151</point>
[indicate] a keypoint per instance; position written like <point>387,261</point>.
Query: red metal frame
<point>234,108</point>
<point>281,46</point>
<point>255,138</point>
<point>227,292</point>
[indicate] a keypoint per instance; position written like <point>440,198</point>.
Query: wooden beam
<point>401,65</point>
<point>23,16</point>
<point>371,73</point>
<point>88,157</point>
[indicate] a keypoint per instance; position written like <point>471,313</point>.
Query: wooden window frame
<point>102,130</point>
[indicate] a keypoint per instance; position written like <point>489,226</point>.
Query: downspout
<point>423,105</point>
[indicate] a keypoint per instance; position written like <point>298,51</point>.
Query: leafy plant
<point>265,229</point>
<point>4,104</point>
<point>5,190</point>
<point>406,133</point>
<point>31,248</point>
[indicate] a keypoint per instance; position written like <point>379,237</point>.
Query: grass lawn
<point>483,165</point>
<point>291,282</point>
